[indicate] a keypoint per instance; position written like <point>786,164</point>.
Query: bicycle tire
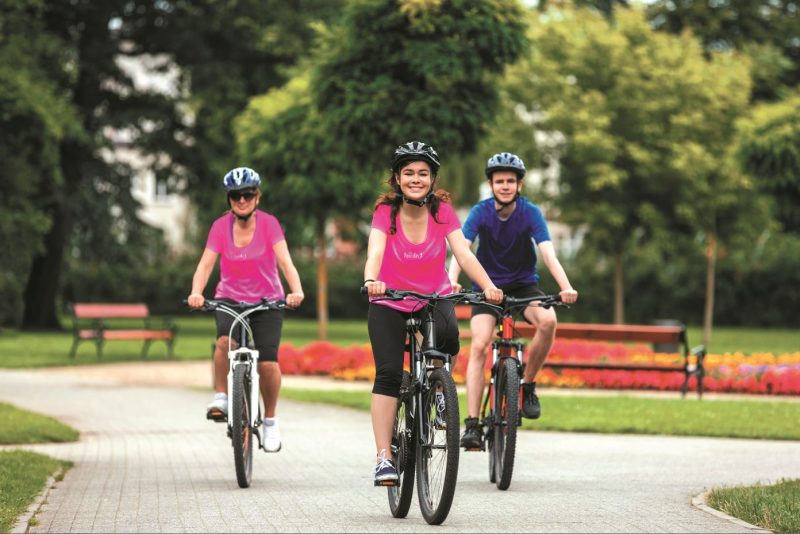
<point>403,450</point>
<point>438,451</point>
<point>241,432</point>
<point>489,420</point>
<point>505,427</point>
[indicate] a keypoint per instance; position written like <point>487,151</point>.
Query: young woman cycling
<point>411,227</point>
<point>252,247</point>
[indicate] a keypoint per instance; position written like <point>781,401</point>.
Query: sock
<point>269,421</point>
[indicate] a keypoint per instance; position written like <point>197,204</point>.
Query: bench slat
<point>87,310</point>
<point>614,366</point>
<point>138,334</point>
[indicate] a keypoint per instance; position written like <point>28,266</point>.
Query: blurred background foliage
<point>665,136</point>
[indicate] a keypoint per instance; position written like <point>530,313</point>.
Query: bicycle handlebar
<point>469,297</point>
<point>264,303</point>
<point>545,301</point>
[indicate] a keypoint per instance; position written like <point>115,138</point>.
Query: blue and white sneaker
<point>385,471</point>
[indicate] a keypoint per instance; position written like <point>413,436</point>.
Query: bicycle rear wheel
<point>504,442</point>
<point>437,454</point>
<point>241,432</point>
<point>403,447</point>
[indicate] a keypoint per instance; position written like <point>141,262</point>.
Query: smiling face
<point>244,201</point>
<point>505,185</point>
<point>415,180</point>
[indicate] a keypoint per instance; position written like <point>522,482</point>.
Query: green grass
<point>776,507</point>
<point>22,476</point>
<point>19,426</point>
<point>196,334</point>
<point>756,419</point>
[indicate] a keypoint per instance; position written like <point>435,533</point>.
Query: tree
<point>645,119</point>
<point>769,149</point>
<point>388,73</point>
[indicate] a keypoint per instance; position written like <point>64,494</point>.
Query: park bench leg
<point>146,346</point>
<point>98,344</point>
<point>170,352</point>
<point>74,348</point>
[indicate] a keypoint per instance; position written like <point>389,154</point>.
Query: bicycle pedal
<point>216,416</point>
<point>473,449</point>
<point>387,483</point>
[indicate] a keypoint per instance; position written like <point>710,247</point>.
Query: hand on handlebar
<point>195,300</point>
<point>456,287</point>
<point>376,288</point>
<point>293,300</point>
<point>493,295</point>
<point>568,296</point>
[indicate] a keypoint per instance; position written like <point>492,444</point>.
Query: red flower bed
<point>731,372</point>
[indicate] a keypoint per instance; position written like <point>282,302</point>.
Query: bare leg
<point>383,409</point>
<point>482,327</point>
<point>545,323</point>
<point>270,381</point>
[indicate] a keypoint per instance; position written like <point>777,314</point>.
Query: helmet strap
<point>426,200</point>
<point>504,205</point>
<point>244,218</point>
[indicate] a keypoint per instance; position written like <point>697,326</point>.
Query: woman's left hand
<point>293,300</point>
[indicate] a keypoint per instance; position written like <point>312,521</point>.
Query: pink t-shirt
<point>251,272</point>
<point>416,267</point>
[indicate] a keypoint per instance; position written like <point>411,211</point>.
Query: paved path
<point>149,462</point>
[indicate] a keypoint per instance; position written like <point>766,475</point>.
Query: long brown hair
<point>394,198</point>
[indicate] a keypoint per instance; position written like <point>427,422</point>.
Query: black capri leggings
<point>387,333</point>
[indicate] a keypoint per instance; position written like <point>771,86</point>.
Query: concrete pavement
<point>148,461</point>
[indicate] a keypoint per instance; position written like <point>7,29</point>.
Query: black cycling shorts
<point>266,326</point>
<point>515,290</point>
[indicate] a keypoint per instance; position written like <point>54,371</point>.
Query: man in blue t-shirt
<point>507,226</point>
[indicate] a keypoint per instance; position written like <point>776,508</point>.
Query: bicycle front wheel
<point>241,432</point>
<point>403,447</point>
<point>437,451</point>
<point>504,442</point>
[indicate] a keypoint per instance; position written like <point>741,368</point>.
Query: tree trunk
<point>322,283</point>
<point>619,290</point>
<point>711,267</point>
<point>41,291</point>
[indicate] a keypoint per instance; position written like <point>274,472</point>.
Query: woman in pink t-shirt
<point>252,248</point>
<point>411,228</point>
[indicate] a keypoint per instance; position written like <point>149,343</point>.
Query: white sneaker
<point>218,409</point>
<point>270,435</point>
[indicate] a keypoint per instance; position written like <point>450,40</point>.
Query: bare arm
<point>204,268</point>
<point>467,260</point>
<point>548,253</point>
<point>289,271</point>
<point>455,269</point>
<point>375,249</point>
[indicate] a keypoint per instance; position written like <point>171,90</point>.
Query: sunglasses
<point>236,196</point>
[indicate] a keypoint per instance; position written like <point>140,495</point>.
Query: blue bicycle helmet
<point>241,178</point>
<point>505,161</point>
<point>415,151</point>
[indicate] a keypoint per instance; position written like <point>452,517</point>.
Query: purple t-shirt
<point>251,272</point>
<point>505,248</point>
<point>415,266</point>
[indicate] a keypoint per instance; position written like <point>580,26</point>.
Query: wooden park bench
<point>89,323</point>
<point>670,335</point>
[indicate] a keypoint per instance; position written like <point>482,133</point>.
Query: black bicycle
<point>244,407</point>
<point>425,438</point>
<point>500,410</point>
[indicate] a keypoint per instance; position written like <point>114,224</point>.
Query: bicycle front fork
<point>249,358</point>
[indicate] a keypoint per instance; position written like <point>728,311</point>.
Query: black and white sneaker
<point>440,422</point>
<point>385,471</point>
<point>531,409</point>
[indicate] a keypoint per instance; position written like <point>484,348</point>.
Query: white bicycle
<point>244,407</point>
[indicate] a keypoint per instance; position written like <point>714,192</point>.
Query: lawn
<point>22,476</point>
<point>775,507</point>
<point>196,333</point>
<point>739,418</point>
<point>18,426</point>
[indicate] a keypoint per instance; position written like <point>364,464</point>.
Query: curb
<point>699,501</point>
<point>22,526</point>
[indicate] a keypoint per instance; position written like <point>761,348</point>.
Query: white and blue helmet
<point>505,161</point>
<point>241,178</point>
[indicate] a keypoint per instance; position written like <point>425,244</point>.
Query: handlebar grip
<point>363,290</point>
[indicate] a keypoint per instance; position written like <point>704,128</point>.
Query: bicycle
<point>244,408</point>
<point>500,409</point>
<point>425,437</point>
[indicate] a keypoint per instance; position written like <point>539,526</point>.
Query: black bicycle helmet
<point>415,151</point>
<point>505,161</point>
<point>241,178</point>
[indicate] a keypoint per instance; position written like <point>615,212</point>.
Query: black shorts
<point>266,326</point>
<point>515,290</point>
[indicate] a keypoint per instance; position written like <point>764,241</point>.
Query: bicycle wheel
<point>437,454</point>
<point>241,433</point>
<point>505,424</point>
<point>489,420</point>
<point>403,447</point>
